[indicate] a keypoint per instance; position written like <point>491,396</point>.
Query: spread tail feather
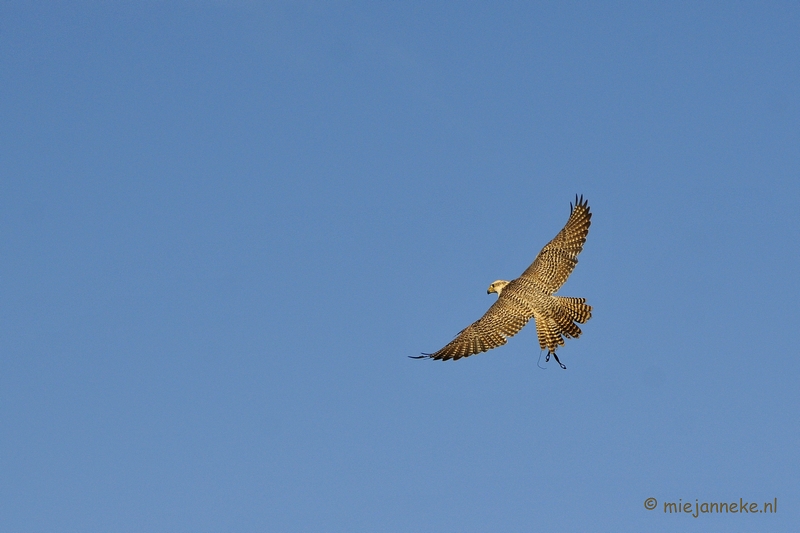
<point>551,330</point>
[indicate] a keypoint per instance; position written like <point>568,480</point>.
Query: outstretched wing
<point>503,319</point>
<point>558,258</point>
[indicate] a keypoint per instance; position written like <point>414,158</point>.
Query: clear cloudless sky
<point>225,226</point>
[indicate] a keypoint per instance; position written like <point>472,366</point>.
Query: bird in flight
<point>532,296</point>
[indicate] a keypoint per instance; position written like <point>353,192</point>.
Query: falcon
<point>532,295</point>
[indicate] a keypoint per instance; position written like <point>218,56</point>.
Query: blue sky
<point>223,227</point>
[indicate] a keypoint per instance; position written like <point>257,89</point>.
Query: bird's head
<point>497,287</point>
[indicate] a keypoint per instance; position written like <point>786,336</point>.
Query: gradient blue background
<point>223,227</point>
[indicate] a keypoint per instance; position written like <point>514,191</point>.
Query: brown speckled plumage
<point>531,296</point>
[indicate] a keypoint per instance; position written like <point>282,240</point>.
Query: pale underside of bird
<point>531,296</point>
